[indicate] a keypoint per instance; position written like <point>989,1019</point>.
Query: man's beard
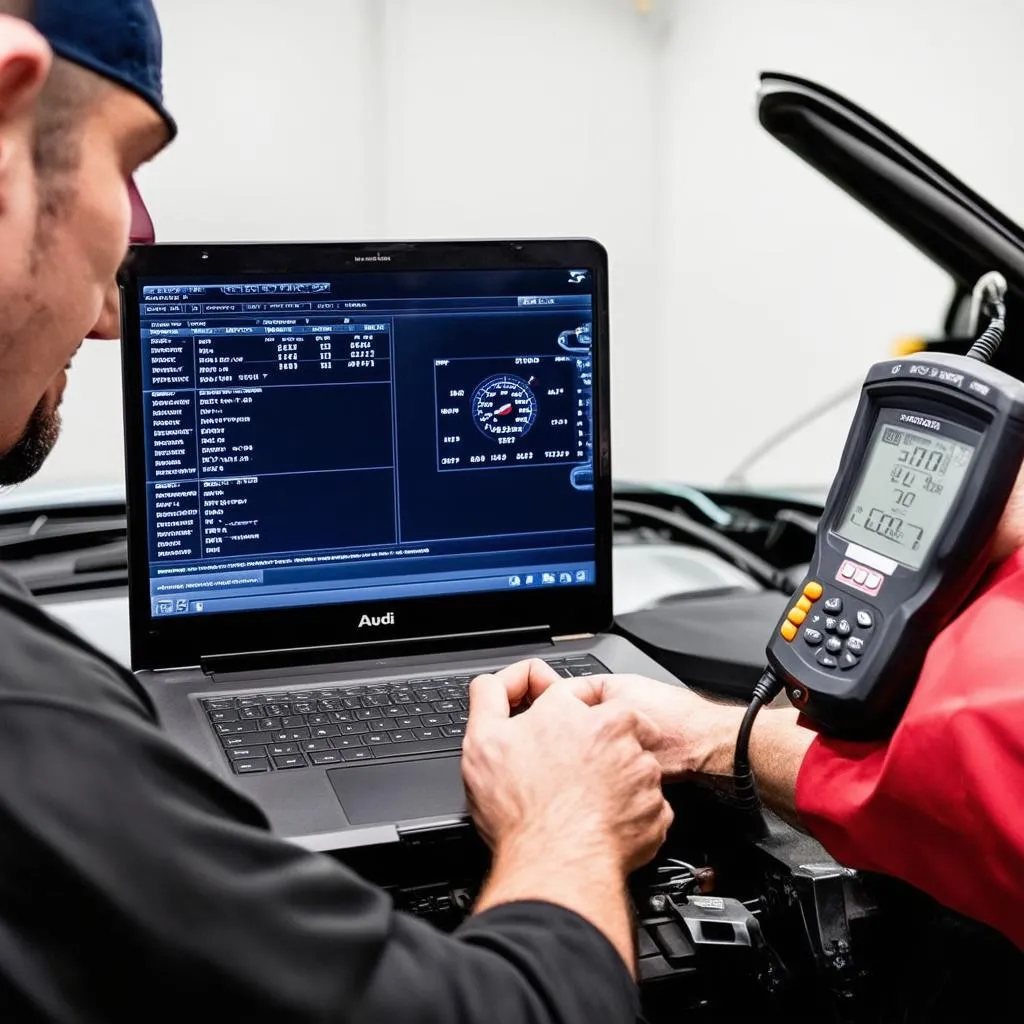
<point>26,458</point>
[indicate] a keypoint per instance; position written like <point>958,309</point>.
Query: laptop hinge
<point>431,829</point>
<point>290,657</point>
<point>572,636</point>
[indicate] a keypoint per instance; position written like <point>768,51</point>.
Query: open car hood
<point>933,210</point>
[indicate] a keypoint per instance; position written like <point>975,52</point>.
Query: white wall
<point>424,118</point>
<point>802,285</point>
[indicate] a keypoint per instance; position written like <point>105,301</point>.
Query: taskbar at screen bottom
<point>514,579</point>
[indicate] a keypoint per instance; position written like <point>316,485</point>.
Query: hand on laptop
<point>564,766</point>
<point>568,797</point>
<point>697,736</point>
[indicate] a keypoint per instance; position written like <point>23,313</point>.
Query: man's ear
<point>25,60</point>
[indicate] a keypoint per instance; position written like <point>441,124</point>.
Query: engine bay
<point>731,929</point>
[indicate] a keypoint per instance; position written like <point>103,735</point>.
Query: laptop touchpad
<point>400,791</point>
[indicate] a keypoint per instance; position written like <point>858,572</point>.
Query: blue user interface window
<point>371,436</point>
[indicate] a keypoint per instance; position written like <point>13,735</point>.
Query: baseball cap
<point>118,39</point>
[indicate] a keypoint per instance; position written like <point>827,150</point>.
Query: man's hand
<point>569,798</point>
<point>564,769</point>
<point>698,736</point>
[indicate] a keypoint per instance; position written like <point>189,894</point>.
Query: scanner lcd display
<point>909,483</point>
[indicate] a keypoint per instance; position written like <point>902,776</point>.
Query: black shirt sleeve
<point>135,885</point>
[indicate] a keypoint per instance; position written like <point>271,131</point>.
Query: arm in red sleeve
<point>941,803</point>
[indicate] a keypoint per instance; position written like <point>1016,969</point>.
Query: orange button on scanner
<point>788,630</point>
<point>813,590</point>
<point>796,616</point>
<point>803,604</point>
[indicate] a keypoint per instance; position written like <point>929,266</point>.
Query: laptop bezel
<point>185,641</point>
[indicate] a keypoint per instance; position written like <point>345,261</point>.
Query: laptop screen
<point>314,439</point>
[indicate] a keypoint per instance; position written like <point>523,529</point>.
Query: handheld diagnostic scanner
<point>932,455</point>
<point>931,458</point>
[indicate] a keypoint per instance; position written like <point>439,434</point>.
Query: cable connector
<point>990,295</point>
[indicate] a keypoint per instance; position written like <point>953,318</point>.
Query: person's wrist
<point>574,868</point>
<point>578,870</point>
<point>712,743</point>
<point>572,843</point>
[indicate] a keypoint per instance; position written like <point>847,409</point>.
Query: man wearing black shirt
<point>134,885</point>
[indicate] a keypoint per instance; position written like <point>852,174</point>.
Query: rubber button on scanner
<point>813,590</point>
<point>788,631</point>
<point>844,628</point>
<point>848,661</point>
<point>855,645</point>
<point>803,604</point>
<point>796,616</point>
<point>826,660</point>
<point>833,645</point>
<point>813,637</point>
<point>834,605</point>
<point>864,620</point>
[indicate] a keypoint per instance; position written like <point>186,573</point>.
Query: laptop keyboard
<point>335,726</point>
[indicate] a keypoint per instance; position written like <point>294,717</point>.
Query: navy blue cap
<point>118,39</point>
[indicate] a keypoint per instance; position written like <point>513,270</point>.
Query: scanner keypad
<point>845,639</point>
<point>835,631</point>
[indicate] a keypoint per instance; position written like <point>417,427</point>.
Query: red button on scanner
<point>860,577</point>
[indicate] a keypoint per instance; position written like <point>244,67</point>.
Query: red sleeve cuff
<point>834,790</point>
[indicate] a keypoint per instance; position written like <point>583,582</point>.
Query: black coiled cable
<point>989,294</point>
<point>987,344</point>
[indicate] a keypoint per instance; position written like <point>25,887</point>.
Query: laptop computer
<point>359,475</point>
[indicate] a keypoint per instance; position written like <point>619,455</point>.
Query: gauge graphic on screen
<point>504,405</point>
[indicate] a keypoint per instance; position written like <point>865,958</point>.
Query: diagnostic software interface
<point>404,434</point>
